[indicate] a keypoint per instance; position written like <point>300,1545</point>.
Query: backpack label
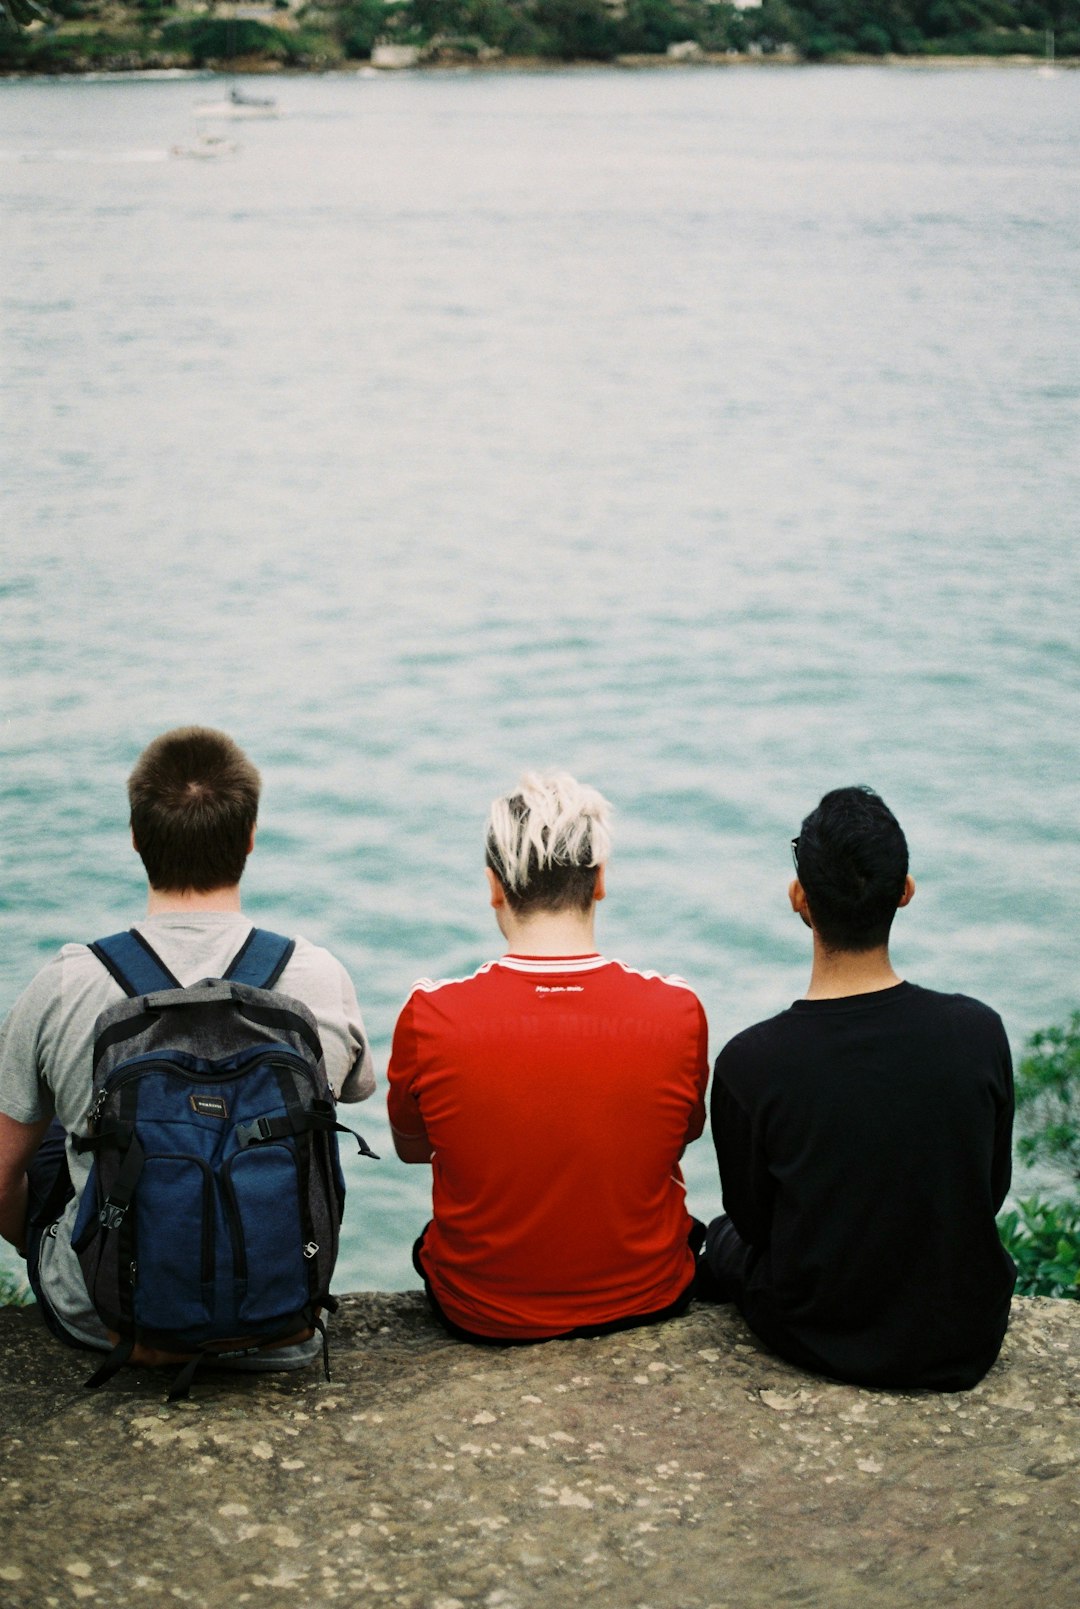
<point>209,1105</point>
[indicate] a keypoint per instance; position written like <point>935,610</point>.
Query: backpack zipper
<point>115,1081</point>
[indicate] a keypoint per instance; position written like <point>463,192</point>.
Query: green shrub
<point>14,1291</point>
<point>872,40</point>
<point>1043,1240</point>
<point>577,30</point>
<point>1048,1098</point>
<point>359,26</point>
<point>208,39</point>
<point>650,26</point>
<point>1043,1237</point>
<point>822,45</point>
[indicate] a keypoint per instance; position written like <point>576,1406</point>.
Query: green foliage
<point>20,13</point>
<point>359,26</point>
<point>577,30</point>
<point>14,1291</point>
<point>207,39</point>
<point>872,40</point>
<point>1043,1240</point>
<point>1048,1098</point>
<point>819,30</point>
<point>650,26</point>
<point>1043,1237</point>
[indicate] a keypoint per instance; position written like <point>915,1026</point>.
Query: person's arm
<point>412,1147</point>
<point>26,1105</point>
<point>406,1121</point>
<point>696,1122</point>
<point>745,1182</point>
<point>18,1146</point>
<point>1001,1166</point>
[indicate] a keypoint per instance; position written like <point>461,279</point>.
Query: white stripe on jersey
<point>547,966</point>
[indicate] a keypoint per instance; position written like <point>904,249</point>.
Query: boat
<point>238,104</point>
<point>239,97</point>
<point>205,147</point>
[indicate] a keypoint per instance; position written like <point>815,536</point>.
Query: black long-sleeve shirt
<point>865,1146</point>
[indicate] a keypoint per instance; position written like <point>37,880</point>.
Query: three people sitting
<point>863,1135</point>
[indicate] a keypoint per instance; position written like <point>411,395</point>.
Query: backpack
<point>209,1223</point>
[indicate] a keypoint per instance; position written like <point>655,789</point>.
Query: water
<point>710,434</point>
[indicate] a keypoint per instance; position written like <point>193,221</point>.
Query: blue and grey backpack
<point>209,1223</point>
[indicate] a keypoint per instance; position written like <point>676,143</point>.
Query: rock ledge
<point>679,1467</point>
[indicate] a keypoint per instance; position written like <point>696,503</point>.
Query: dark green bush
<point>650,26</point>
<point>1043,1240</point>
<point>872,40</point>
<point>577,30</point>
<point>1048,1098</point>
<point>208,39</point>
<point>359,26</point>
<point>1043,1237</point>
<point>822,45</point>
<point>14,1291</point>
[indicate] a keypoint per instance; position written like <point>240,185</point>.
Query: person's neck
<point>549,933</point>
<point>836,973</point>
<point>188,902</point>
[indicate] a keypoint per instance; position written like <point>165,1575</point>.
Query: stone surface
<point>679,1467</point>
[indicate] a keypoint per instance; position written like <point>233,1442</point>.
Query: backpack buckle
<point>111,1215</point>
<point>254,1132</point>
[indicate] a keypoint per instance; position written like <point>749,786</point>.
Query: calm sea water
<point>711,434</point>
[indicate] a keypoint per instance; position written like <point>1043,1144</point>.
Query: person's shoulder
<point>451,987</point>
<point>314,958</point>
<point>661,984</point>
<point>958,1007</point>
<point>68,968</point>
<point>756,1040</point>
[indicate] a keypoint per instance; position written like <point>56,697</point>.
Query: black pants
<point>581,1332</point>
<point>723,1264</point>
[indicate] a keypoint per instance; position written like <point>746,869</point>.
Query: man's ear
<point>797,895</point>
<point>251,841</point>
<point>496,890</point>
<point>908,895</point>
<point>600,887</point>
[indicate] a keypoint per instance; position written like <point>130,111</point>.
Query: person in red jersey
<point>553,1093</point>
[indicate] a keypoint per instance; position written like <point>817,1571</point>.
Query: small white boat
<point>239,104</point>
<point>205,147</point>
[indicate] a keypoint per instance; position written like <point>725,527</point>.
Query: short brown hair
<point>194,798</point>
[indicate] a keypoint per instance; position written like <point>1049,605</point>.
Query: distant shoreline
<point>260,68</point>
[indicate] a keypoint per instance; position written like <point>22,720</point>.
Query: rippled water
<point>712,434</point>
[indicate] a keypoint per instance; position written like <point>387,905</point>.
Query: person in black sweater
<point>864,1138</point>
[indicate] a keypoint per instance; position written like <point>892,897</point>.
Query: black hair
<point>852,859</point>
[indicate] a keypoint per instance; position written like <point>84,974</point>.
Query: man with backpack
<point>160,1141</point>
<point>864,1140</point>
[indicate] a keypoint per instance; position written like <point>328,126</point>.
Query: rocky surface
<point>679,1467</point>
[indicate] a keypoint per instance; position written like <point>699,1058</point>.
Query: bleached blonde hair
<point>547,838</point>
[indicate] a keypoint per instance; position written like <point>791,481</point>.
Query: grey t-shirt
<point>46,1046</point>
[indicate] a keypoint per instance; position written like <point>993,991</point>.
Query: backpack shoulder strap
<point>261,959</point>
<point>132,962</point>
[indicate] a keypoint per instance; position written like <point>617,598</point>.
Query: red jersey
<point>557,1095</point>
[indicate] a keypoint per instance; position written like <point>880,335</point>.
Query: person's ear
<point>908,895</point>
<point>496,891</point>
<point>600,886</point>
<point>251,841</point>
<point>797,896</point>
